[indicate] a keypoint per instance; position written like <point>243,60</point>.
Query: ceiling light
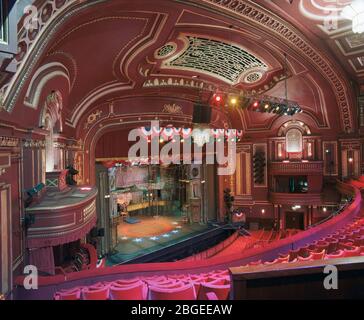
<point>355,12</point>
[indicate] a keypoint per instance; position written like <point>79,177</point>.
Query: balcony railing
<point>296,168</point>
<point>62,217</point>
<point>295,198</point>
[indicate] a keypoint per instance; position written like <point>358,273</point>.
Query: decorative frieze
<point>59,145</point>
<point>89,211</point>
<point>8,142</point>
<point>172,109</point>
<point>33,144</point>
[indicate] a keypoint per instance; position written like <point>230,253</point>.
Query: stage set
<point>154,206</point>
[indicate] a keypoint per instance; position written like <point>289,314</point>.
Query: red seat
<point>308,258</point>
<point>342,246</point>
<point>186,292</point>
<point>125,282</point>
<point>352,252</point>
<point>136,291</point>
<point>318,255</point>
<point>73,294</point>
<point>332,246</point>
<point>255,263</point>
<point>336,255</point>
<point>293,254</point>
<point>323,245</point>
<point>303,252</point>
<point>95,293</point>
<point>221,291</point>
<point>154,278</point>
<point>171,285</point>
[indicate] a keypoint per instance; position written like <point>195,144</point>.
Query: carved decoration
<point>172,109</point>
<point>9,142</point>
<point>166,51</point>
<point>92,118</point>
<point>30,143</point>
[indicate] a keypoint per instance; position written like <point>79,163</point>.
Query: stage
<point>151,234</point>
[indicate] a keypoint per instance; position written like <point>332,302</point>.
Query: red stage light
<point>218,98</point>
<point>255,104</point>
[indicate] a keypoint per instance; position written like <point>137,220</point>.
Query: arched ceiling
<point>100,52</point>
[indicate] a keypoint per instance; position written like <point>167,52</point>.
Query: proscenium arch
<point>96,132</point>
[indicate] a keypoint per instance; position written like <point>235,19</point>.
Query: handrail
<point>213,250</point>
<point>341,209</point>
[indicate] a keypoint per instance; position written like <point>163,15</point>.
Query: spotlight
<point>233,101</point>
<point>218,98</point>
<point>256,104</point>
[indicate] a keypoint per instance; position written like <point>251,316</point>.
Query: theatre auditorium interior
<point>181,149</point>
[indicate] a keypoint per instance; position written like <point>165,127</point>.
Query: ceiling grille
<point>216,58</point>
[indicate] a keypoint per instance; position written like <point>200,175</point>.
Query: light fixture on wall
<point>355,13</point>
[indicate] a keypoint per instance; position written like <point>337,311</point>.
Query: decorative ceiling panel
<point>225,61</point>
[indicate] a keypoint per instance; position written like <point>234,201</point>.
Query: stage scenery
<point>153,206</point>
<point>208,150</point>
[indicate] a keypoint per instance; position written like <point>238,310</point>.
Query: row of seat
<point>344,243</point>
<point>214,285</point>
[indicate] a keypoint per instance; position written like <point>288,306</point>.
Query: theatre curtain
<point>43,259</point>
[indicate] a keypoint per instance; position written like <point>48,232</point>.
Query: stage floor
<point>151,234</point>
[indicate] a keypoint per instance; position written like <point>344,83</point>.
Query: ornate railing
<point>306,168</point>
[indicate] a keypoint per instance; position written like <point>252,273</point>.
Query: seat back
<point>352,252</point>
<point>136,291</point>
<point>221,291</point>
<point>187,292</point>
<point>318,255</point>
<point>95,293</point>
<point>125,282</point>
<point>68,295</point>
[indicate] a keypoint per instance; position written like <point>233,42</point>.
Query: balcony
<point>62,217</point>
<point>296,168</point>
<point>295,198</point>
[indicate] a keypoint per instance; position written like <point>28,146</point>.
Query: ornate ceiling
<point>323,19</point>
<point>99,53</point>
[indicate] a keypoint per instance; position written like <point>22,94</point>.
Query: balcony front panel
<point>62,217</point>
<point>296,168</point>
<point>295,198</point>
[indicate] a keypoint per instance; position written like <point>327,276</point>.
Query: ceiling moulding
<point>273,24</point>
<point>51,15</point>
